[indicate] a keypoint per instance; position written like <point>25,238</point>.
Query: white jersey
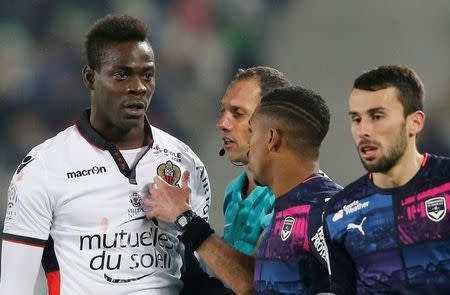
<point>77,191</point>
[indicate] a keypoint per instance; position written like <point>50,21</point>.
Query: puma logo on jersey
<point>94,170</point>
<point>357,226</point>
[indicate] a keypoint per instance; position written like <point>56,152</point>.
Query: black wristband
<point>195,233</point>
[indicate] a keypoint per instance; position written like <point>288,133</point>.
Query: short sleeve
<point>341,268</point>
<point>29,213</point>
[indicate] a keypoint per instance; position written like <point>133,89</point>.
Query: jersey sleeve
<point>201,189</point>
<point>29,213</point>
<point>319,249</point>
<point>341,267</point>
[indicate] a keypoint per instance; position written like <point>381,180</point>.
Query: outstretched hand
<point>166,202</point>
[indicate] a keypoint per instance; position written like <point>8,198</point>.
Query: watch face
<point>182,221</point>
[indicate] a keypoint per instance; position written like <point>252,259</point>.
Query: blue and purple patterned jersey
<point>292,256</point>
<point>392,241</point>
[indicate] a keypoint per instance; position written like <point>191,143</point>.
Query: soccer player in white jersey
<point>75,202</point>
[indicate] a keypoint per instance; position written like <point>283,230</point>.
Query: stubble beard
<point>391,158</point>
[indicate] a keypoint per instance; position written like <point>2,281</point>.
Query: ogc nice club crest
<point>169,172</point>
<point>436,208</point>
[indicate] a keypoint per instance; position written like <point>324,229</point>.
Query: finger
<point>147,201</point>
<point>151,190</point>
<point>185,179</point>
<point>150,187</point>
<point>160,183</point>
<point>146,206</point>
<point>151,203</point>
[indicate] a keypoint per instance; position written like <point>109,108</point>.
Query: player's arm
<point>26,228</point>
<point>341,268</point>
<point>20,266</point>
<point>195,279</point>
<point>232,267</point>
<point>318,248</point>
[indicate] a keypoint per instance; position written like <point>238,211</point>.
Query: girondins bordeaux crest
<point>287,227</point>
<point>436,208</point>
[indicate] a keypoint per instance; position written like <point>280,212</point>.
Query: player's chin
<point>371,166</point>
<point>232,156</point>
<point>237,156</point>
<point>129,122</point>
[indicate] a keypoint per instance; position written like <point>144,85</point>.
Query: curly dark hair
<point>112,29</point>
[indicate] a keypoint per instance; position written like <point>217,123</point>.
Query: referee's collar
<point>92,136</point>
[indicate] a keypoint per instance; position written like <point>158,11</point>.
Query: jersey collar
<point>93,137</point>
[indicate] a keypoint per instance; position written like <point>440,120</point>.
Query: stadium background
<point>199,44</point>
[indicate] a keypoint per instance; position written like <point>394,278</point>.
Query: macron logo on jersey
<point>86,172</point>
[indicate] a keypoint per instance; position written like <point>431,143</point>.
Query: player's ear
<point>274,139</point>
<point>88,75</point>
<point>415,123</point>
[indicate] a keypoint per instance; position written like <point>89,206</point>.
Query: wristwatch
<point>183,219</point>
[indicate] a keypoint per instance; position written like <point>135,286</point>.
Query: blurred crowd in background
<point>199,45</point>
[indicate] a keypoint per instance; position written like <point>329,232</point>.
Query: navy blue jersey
<point>292,257</point>
<point>392,241</point>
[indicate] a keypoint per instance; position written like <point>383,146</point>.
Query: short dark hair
<point>269,78</point>
<point>112,29</point>
<point>409,86</point>
<point>303,114</point>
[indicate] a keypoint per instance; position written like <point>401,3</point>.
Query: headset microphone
<point>222,152</point>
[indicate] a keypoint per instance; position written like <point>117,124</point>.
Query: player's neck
<point>131,140</point>
<point>405,169</point>
<point>123,139</point>
<point>290,172</point>
<point>250,186</point>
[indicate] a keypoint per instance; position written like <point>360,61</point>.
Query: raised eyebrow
<point>375,110</point>
<point>123,68</point>
<point>130,69</point>
<point>232,108</point>
<point>147,69</point>
<point>369,111</point>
